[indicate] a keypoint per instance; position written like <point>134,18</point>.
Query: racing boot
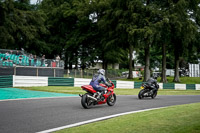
<point>98,95</point>
<point>102,97</point>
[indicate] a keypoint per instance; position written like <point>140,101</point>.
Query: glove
<point>109,85</point>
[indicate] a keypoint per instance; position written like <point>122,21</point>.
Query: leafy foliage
<point>22,26</point>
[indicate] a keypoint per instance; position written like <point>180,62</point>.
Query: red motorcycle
<point>93,97</point>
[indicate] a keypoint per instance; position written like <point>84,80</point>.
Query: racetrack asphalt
<point>34,115</point>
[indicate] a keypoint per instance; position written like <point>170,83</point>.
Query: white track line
<point>95,120</point>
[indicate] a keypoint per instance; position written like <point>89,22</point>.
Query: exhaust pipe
<point>92,97</point>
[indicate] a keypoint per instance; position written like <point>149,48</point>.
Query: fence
<point>32,71</point>
<point>194,70</point>
<point>88,73</point>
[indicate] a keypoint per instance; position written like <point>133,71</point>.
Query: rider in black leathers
<point>153,85</point>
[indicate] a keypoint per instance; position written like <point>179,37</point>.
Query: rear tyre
<point>111,99</point>
<point>86,102</point>
<point>154,95</point>
<point>141,94</point>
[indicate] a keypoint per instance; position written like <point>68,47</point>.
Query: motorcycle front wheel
<point>141,94</point>
<point>111,100</point>
<point>154,95</point>
<point>86,102</point>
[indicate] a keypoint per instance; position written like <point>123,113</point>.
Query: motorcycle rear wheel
<point>86,102</point>
<point>111,100</point>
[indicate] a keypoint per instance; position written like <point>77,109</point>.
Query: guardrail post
<point>75,73</point>
<point>15,70</point>
<point>81,73</point>
<point>37,72</point>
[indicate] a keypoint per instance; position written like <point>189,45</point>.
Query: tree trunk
<point>163,78</point>
<point>76,65</point>
<point>130,75</point>
<point>147,64</point>
<point>66,62</point>
<point>103,61</point>
<point>105,68</point>
<point>70,63</point>
<point>104,64</point>
<point>176,74</point>
<point>147,58</point>
<point>83,69</point>
<point>148,1</point>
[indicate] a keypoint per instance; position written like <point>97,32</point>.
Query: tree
<point>86,33</point>
<point>149,31</point>
<point>163,35</point>
<point>183,30</point>
<point>174,27</point>
<point>21,26</point>
<point>120,23</point>
<point>109,35</point>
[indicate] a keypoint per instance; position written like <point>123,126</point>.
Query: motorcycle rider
<point>153,85</point>
<point>97,78</point>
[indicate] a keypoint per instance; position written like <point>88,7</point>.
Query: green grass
<point>78,90</point>
<point>174,119</point>
<point>183,80</point>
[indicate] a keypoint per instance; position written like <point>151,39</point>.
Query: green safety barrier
<point>59,81</point>
<point>137,84</point>
<point>190,86</point>
<point>168,86</point>
<point>114,82</point>
<point>6,81</point>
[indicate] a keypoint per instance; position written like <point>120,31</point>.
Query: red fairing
<point>89,88</point>
<point>111,88</point>
<point>103,85</point>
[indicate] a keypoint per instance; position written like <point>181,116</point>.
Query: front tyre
<point>141,94</point>
<point>86,102</point>
<point>154,95</point>
<point>111,100</point>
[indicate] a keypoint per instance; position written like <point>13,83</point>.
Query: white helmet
<point>101,71</point>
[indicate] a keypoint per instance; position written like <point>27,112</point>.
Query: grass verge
<point>174,119</point>
<point>78,90</point>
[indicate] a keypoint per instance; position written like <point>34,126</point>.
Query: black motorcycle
<point>147,91</point>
